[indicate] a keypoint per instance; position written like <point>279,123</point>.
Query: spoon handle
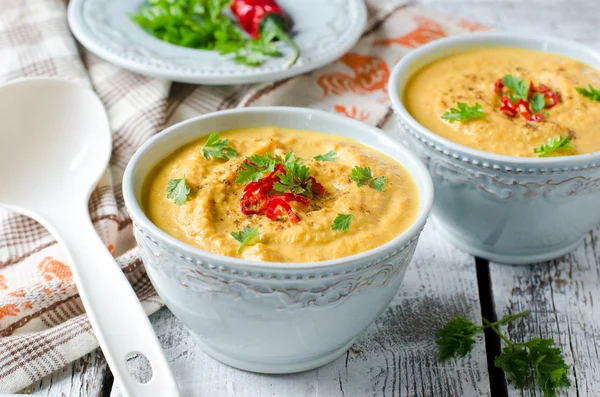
<point>117,317</point>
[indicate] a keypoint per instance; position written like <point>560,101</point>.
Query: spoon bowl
<point>54,148</point>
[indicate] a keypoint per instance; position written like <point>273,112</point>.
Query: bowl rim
<point>409,161</point>
<point>482,38</point>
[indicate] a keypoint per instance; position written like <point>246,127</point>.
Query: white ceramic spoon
<point>55,144</point>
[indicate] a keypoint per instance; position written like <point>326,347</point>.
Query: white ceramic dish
<point>506,209</point>
<point>267,316</point>
<point>323,30</point>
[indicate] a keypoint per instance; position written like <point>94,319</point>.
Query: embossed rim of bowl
<point>438,49</point>
<point>311,116</point>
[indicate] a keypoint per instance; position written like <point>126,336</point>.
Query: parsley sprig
<point>464,112</point>
<point>201,24</point>
<point>342,222</point>
<point>178,190</point>
<point>329,156</point>
<point>363,176</point>
<point>518,359</point>
<point>518,86</point>
<point>553,144</point>
<point>592,94</point>
<point>215,147</point>
<point>258,166</point>
<point>295,180</point>
<point>245,236</point>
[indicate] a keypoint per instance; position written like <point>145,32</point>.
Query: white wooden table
<point>397,355</point>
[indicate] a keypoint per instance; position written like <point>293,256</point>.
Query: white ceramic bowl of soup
<point>503,208</point>
<point>272,317</point>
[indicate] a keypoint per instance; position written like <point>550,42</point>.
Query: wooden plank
<point>563,297</point>
<point>82,378</point>
<point>396,356</point>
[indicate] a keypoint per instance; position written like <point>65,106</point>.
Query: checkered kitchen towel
<point>43,325</point>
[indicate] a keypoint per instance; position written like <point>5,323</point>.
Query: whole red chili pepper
<point>266,20</point>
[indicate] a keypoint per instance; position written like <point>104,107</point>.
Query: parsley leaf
<point>519,87</point>
<point>329,156</point>
<point>178,190</point>
<point>553,144</point>
<point>258,166</point>
<point>549,365</point>
<point>245,236</point>
<point>363,176</point>
<point>593,94</point>
<point>455,339</point>
<point>218,148</point>
<point>464,112</point>
<point>342,222</point>
<point>517,360</point>
<point>295,180</point>
<point>537,102</point>
<point>378,183</point>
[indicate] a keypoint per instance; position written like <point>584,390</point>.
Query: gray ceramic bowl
<point>506,209</point>
<point>267,316</point>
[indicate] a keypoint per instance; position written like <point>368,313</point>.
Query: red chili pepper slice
<point>552,97</point>
<point>542,89</point>
<point>523,108</point>
<point>508,107</point>
<point>296,197</point>
<point>254,203</point>
<point>537,117</point>
<point>317,188</point>
<point>264,17</point>
<point>273,210</point>
<point>497,87</point>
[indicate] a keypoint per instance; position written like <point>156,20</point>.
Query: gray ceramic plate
<point>324,30</point>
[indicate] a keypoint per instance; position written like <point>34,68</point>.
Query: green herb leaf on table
<point>329,156</point>
<point>342,222</point>
<point>518,359</point>
<point>178,190</point>
<point>592,94</point>
<point>455,339</point>
<point>464,112</point>
<point>554,144</point>
<point>218,148</point>
<point>245,236</point>
<point>295,180</point>
<point>363,176</point>
<point>518,86</point>
<point>537,102</point>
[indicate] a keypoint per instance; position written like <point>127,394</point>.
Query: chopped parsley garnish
<point>592,94</point>
<point>218,148</point>
<point>537,102</point>
<point>553,144</point>
<point>203,25</point>
<point>363,176</point>
<point>329,156</point>
<point>245,236</point>
<point>258,166</point>
<point>342,222</point>
<point>518,359</point>
<point>518,86</point>
<point>294,180</point>
<point>178,190</point>
<point>464,112</point>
